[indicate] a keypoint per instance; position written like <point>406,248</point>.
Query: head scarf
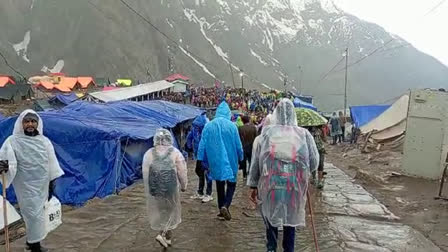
<point>163,138</point>
<point>284,113</point>
<point>18,126</point>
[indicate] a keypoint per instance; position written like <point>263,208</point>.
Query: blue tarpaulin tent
<point>100,146</point>
<point>64,99</point>
<point>298,103</point>
<point>361,115</point>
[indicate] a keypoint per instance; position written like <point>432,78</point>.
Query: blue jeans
<point>289,236</point>
<point>225,195</point>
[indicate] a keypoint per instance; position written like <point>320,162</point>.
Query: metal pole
<point>242,81</point>
<point>345,86</point>
<point>284,83</point>
<point>231,72</point>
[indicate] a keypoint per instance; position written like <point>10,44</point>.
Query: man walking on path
<point>335,128</point>
<point>193,140</point>
<point>248,133</point>
<point>283,161</point>
<point>32,168</point>
<point>220,148</point>
<point>165,176</point>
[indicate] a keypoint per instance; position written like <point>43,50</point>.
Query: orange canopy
<point>46,84</point>
<point>4,80</point>
<point>62,88</point>
<point>69,82</point>
<point>85,82</point>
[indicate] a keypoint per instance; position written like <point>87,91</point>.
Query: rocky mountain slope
<point>268,39</point>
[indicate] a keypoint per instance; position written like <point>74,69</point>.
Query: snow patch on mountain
<point>57,68</point>
<point>203,24</point>
<point>258,57</point>
<point>21,48</point>
<point>224,6</point>
<point>197,62</point>
<point>169,23</point>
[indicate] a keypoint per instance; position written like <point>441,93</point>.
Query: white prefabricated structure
<point>426,141</point>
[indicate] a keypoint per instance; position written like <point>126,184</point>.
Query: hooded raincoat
<point>220,146</point>
<point>164,175</point>
<point>32,165</point>
<point>283,159</point>
<point>195,134</point>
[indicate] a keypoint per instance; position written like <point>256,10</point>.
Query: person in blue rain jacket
<point>221,149</point>
<point>193,140</point>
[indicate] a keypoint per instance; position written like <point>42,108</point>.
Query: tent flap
<point>362,115</point>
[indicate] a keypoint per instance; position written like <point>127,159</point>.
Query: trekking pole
<point>5,213</point>
<point>316,244</point>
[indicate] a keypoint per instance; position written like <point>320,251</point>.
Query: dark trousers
<point>225,195</point>
<point>247,159</point>
<point>335,140</point>
<point>342,137</point>
<point>202,179</point>
<point>289,236</point>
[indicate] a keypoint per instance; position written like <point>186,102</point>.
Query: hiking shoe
<point>207,198</point>
<point>162,241</point>
<point>225,213</point>
<point>197,196</point>
<point>220,216</point>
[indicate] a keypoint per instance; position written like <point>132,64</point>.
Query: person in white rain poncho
<point>164,175</point>
<point>283,158</point>
<point>32,167</point>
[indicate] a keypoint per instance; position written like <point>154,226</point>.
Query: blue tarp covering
<point>100,147</point>
<point>361,115</point>
<point>301,104</point>
<point>64,98</point>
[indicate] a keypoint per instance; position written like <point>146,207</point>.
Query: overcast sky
<point>410,19</point>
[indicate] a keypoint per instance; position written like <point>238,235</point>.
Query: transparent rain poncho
<point>282,161</point>
<point>32,165</point>
<point>164,175</point>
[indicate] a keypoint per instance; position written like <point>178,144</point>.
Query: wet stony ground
<point>347,218</point>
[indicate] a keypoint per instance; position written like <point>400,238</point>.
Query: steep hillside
<point>269,39</point>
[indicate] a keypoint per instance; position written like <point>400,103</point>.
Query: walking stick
<point>316,244</point>
<point>5,213</point>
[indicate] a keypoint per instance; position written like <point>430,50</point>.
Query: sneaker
<point>207,198</point>
<point>197,196</point>
<point>161,241</point>
<point>225,213</point>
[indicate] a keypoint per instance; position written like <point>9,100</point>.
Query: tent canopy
<point>361,115</point>
<point>131,92</point>
<point>100,147</point>
<point>5,80</point>
<point>174,77</point>
<point>64,99</point>
<point>298,103</point>
<point>10,92</point>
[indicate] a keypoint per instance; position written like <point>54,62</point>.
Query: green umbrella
<point>308,118</point>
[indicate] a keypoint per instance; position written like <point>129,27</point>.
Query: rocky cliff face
<point>268,39</point>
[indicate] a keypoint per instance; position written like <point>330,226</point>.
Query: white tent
<point>141,92</point>
<point>391,123</point>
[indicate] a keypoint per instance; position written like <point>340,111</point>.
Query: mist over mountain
<point>268,39</point>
